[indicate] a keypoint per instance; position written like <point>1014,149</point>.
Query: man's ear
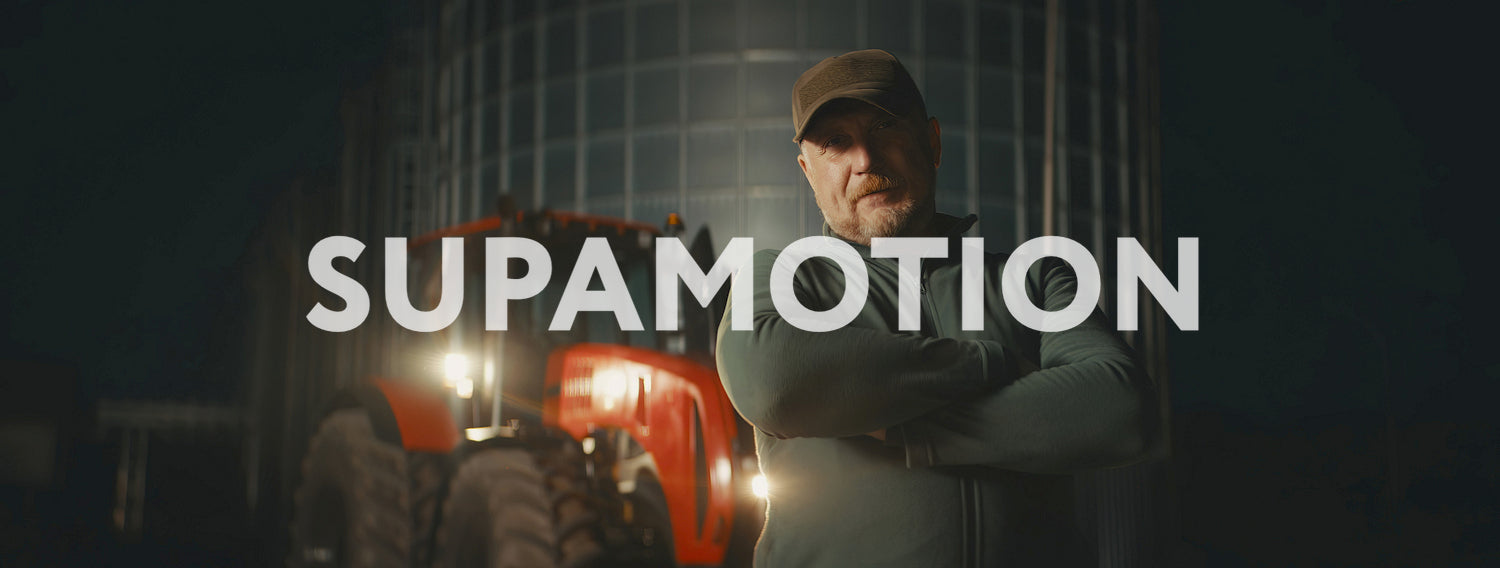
<point>935,140</point>
<point>802,161</point>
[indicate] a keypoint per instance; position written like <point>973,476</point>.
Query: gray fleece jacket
<point>977,462</point>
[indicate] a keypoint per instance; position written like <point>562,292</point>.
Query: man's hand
<point>1024,367</point>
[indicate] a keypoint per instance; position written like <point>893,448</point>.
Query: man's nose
<point>864,155</point>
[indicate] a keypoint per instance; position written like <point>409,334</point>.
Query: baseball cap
<point>871,75</point>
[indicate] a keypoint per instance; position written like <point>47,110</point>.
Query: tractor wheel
<point>351,508</point>
<point>497,514</point>
<point>429,478</point>
<point>574,508</point>
<point>652,524</point>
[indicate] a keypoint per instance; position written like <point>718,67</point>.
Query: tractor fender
<point>402,415</point>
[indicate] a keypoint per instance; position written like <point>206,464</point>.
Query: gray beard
<point>888,222</point>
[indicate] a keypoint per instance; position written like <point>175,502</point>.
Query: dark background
<point>1336,408</point>
<point>1332,410</point>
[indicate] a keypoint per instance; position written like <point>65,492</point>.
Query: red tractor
<point>532,448</point>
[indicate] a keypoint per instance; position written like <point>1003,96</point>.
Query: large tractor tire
<point>575,510</point>
<point>497,514</point>
<point>652,526</point>
<point>428,474</point>
<point>351,508</point>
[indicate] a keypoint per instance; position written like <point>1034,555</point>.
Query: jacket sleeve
<point>1090,405</point>
<point>794,383</point>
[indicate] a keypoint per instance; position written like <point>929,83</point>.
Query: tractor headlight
<point>759,486</point>
<point>464,388</point>
<point>455,368</point>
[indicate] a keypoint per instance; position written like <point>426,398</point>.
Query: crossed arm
<point>946,401</point>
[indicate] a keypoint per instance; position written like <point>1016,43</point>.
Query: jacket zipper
<point>927,303</point>
<point>973,545</point>
<point>973,532</point>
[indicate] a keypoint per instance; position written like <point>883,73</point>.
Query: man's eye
<point>883,124</point>
<point>833,141</point>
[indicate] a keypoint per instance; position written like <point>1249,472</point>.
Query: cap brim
<point>877,94</point>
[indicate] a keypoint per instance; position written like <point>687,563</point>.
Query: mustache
<point>875,182</point>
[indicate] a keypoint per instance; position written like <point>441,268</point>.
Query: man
<point>938,447</point>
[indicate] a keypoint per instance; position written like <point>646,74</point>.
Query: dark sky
<point>142,143</point>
